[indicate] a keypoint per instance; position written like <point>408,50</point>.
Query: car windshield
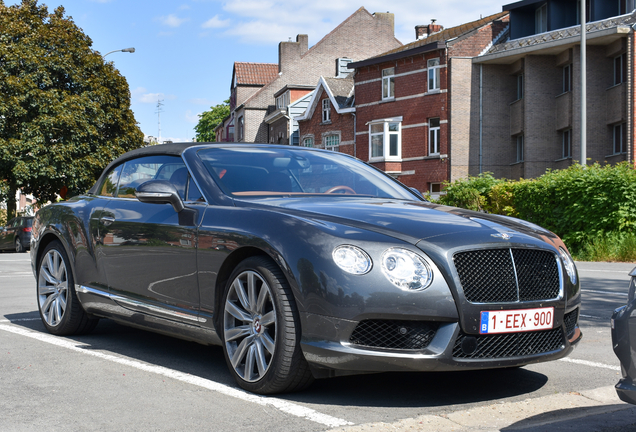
<point>259,172</point>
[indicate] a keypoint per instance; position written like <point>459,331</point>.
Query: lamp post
<point>130,50</point>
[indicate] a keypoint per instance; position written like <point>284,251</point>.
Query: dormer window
<point>282,101</point>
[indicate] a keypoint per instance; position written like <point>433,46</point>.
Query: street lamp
<point>130,50</point>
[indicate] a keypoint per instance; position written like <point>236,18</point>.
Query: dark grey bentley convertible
<point>302,264</point>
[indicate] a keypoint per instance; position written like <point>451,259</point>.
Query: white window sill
<point>389,99</point>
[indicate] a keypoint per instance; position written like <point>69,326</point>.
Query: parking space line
<point>591,364</point>
<point>280,404</point>
<point>19,319</point>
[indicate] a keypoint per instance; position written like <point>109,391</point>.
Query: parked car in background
<point>301,263</point>
<point>16,235</point>
<point>624,343</point>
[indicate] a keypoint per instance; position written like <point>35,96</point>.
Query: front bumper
<point>333,353</point>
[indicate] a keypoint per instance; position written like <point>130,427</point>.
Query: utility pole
<point>159,110</point>
<point>583,86</point>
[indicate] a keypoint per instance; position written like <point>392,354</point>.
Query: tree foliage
<point>64,112</point>
<point>209,120</point>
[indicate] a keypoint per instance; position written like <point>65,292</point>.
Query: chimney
<point>434,28</point>
<point>388,16</point>
<point>421,31</point>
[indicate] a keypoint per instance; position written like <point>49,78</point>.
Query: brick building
<point>360,36</point>
<point>413,105</point>
<point>525,112</point>
<point>328,121</point>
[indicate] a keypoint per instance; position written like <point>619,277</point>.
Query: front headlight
<point>352,259</point>
<point>405,269</point>
<point>570,268</point>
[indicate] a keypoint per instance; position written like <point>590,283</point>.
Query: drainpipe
<point>481,115</point>
<point>583,86</point>
<point>355,137</point>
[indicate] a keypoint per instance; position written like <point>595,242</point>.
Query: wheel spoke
<point>263,296</point>
<point>261,361</point>
<point>62,301</point>
<point>57,307</point>
<point>47,275</point>
<point>268,319</point>
<point>240,352</point>
<point>240,293</point>
<point>237,332</point>
<point>249,363</point>
<point>46,306</point>
<point>268,343</point>
<point>237,313</point>
<point>251,291</point>
<point>45,290</point>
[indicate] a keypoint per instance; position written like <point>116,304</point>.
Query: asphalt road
<point>119,378</point>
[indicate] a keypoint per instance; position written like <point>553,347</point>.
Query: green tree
<point>64,111</point>
<point>209,120</point>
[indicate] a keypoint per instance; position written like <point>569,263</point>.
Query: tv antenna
<point>159,111</point>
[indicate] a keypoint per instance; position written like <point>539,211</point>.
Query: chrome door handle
<point>107,220</point>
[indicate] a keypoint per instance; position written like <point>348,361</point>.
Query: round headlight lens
<point>405,269</point>
<point>352,259</point>
<point>570,268</point>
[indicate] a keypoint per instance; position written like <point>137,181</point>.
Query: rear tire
<point>261,330</point>
<point>18,245</point>
<point>60,310</point>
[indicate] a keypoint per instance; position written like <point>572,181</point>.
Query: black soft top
<point>173,149</point>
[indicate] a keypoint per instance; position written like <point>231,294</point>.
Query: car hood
<point>413,221</point>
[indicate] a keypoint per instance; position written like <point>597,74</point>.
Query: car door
<point>148,256</point>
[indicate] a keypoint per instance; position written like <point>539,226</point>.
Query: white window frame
<point>282,101</point>
<point>388,83</point>
<point>436,194</point>
<point>386,132</point>
<point>541,19</point>
<point>566,142</point>
<point>434,137</point>
<point>326,110</point>
<point>331,141</point>
<point>519,146</point>
<point>433,74</point>
<point>308,141</point>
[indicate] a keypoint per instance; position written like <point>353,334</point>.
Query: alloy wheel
<point>249,326</point>
<point>53,287</point>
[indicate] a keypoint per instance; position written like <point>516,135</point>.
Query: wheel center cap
<point>257,325</point>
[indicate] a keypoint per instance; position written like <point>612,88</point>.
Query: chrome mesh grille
<point>507,275</point>
<point>394,334</point>
<point>511,344</point>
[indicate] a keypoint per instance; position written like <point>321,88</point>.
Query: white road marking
<point>594,317</point>
<point>20,319</point>
<point>591,364</point>
<point>624,294</point>
<point>282,405</point>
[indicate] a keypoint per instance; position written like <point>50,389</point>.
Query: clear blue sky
<point>185,49</point>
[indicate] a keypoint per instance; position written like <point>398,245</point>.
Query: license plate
<point>514,321</point>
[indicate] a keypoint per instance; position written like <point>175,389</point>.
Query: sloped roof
<point>445,35</point>
<point>341,90</point>
<point>255,73</point>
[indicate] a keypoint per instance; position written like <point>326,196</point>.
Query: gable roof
<point>340,92</point>
<point>255,73</point>
<point>433,42</point>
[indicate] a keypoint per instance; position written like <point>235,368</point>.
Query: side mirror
<point>160,192</point>
<point>418,193</point>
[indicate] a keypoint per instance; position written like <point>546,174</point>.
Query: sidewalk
<point>598,410</point>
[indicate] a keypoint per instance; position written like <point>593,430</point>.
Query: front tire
<point>261,330</point>
<point>60,310</point>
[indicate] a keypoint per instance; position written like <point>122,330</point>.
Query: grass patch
<point>614,246</point>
